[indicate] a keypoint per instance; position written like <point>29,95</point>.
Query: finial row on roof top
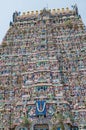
<point>45,11</point>
<point>51,11</point>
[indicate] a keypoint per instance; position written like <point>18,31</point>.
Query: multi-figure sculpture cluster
<point>42,71</point>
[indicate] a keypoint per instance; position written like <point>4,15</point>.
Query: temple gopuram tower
<point>43,71</point>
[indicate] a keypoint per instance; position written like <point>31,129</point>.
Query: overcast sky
<point>7,7</point>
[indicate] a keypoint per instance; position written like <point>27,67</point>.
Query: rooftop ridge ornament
<point>75,8</point>
<point>45,12</point>
<point>15,15</point>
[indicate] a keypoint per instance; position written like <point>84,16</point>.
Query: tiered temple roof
<point>42,62</point>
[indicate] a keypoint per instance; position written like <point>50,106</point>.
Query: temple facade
<point>43,71</point>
